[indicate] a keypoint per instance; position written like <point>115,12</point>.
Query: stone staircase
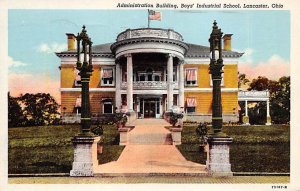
<point>150,139</point>
<point>150,132</point>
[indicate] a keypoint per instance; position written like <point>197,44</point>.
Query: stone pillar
<point>181,86</point>
<point>160,107</point>
<point>129,83</point>
<point>123,135</point>
<point>246,117</point>
<point>170,82</point>
<point>268,113</point>
<point>118,98</point>
<point>85,156</point>
<point>218,163</point>
<point>176,135</point>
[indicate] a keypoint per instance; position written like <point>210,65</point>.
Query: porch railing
<point>151,85</point>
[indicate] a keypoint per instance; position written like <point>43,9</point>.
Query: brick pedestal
<point>85,155</point>
<point>218,163</point>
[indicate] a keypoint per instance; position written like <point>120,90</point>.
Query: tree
<point>260,84</point>
<point>242,80</point>
<point>15,113</point>
<point>40,109</point>
<point>279,98</point>
<point>280,101</point>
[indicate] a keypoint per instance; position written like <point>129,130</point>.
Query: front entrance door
<point>149,109</point>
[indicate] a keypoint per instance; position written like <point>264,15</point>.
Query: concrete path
<point>150,151</point>
<point>150,132</point>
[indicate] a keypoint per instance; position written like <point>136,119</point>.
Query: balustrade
<point>153,85</point>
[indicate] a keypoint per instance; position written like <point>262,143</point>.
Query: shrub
<point>174,118</point>
<point>202,131</point>
<point>120,118</point>
<point>98,130</point>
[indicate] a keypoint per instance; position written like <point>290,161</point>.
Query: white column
<point>118,86</point>
<point>268,108</point>
<point>160,106</point>
<point>246,108</point>
<point>170,81</point>
<point>129,83</point>
<point>181,86</point>
<point>268,113</point>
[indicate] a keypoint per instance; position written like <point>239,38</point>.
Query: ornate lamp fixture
<point>215,67</point>
<point>85,67</point>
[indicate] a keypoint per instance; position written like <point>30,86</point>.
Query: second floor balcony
<point>149,85</point>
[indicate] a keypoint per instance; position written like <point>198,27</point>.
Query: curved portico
<point>149,65</point>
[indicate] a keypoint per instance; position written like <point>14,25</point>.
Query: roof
<point>194,51</point>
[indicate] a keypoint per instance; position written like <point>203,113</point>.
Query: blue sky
<point>34,35</point>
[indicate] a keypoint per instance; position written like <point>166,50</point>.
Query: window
<point>142,77</point>
<point>107,107</point>
<point>77,106</point>
<point>77,81</point>
<point>190,76</point>
<point>107,77</point>
<point>191,104</point>
<point>191,109</point>
<point>156,78</point>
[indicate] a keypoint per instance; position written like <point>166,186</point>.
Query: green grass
<point>48,149</point>
<point>254,148</point>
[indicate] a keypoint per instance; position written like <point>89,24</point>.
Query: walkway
<point>150,151</point>
<point>180,181</point>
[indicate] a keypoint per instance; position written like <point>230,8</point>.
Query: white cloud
<point>247,56</point>
<point>51,48</point>
<point>14,63</point>
<point>274,68</point>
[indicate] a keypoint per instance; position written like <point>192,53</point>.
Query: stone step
<point>150,138</point>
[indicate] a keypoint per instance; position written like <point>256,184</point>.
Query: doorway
<point>150,107</point>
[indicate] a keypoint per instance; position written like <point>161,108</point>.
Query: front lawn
<point>48,149</point>
<point>254,148</point>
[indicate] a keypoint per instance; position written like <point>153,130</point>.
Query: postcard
<point>149,95</point>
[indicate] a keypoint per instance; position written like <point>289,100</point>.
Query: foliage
<point>120,117</point>
<point>279,99</point>
<point>15,113</point>
<point>48,149</point>
<point>254,148</point>
<point>174,117</point>
<point>202,131</point>
<point>97,130</point>
<point>242,80</point>
<point>32,110</point>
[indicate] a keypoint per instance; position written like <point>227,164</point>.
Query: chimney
<point>71,41</point>
<point>227,42</point>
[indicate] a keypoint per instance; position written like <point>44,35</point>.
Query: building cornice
<point>148,91</point>
<point>118,44</point>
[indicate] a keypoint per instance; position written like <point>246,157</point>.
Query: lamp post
<point>217,162</point>
<point>85,68</point>
<point>215,67</point>
<point>85,144</point>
